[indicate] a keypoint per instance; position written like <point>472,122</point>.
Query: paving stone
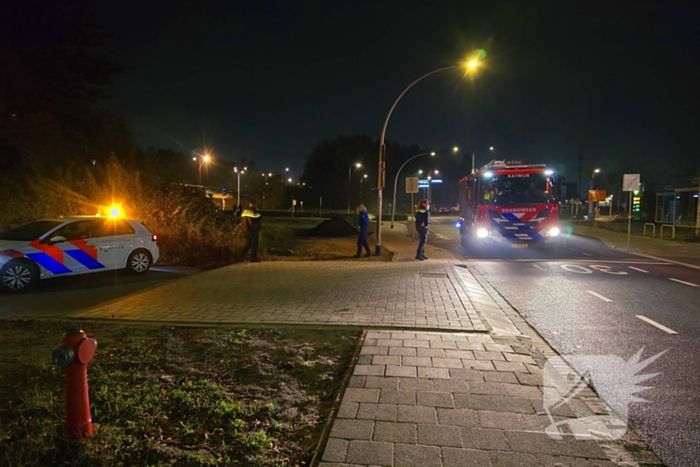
<point>537,423</point>
<point>533,369</point>
<point>336,464</point>
<point>414,414</point>
<point>470,346</point>
<point>499,377</point>
<point>389,342</point>
<point>443,345</point>
<point>348,410</point>
<point>493,403</point>
<point>368,411</point>
<point>580,462</point>
<point>386,360</point>
<point>447,363</point>
<point>361,395</point>
<point>372,350</point>
<point>392,396</point>
<point>479,387</point>
<point>491,356</point>
<point>357,381</point>
<point>370,453</point>
<point>479,438</point>
<point>535,443</point>
<point>417,361</point>
<point>451,353</point>
<point>499,420</point>
<point>435,399</point>
<point>431,353</point>
<point>403,335</point>
<point>515,367</point>
<point>416,343</point>
<point>402,351</point>
<point>457,417</point>
<point>513,357</point>
<point>450,385</point>
<point>407,455</point>
<point>569,446</point>
<point>395,432</point>
<point>440,435</point>
<point>466,374</point>
<point>364,370</point>
<point>555,461</point>
<point>529,379</point>
<point>352,429</point>
<point>364,360</point>
<point>481,365</point>
<point>436,373</point>
<point>336,450</point>
<point>561,410</point>
<point>377,382</point>
<point>402,371</point>
<point>517,390</point>
<point>453,457</point>
<point>514,459</point>
<point>416,384</point>
<point>497,348</point>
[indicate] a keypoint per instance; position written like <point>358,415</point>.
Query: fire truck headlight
<point>554,231</point>
<point>482,233</point>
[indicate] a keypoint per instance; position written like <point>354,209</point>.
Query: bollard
<point>75,352</point>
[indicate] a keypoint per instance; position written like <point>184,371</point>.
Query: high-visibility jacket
<point>251,221</point>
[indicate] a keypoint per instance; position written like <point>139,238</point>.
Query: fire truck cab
<point>510,203</point>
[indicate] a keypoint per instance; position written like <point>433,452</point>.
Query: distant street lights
<point>396,181</point>
<point>469,66</point>
<point>362,178</point>
<point>203,159</point>
<point>238,173</point>
<point>356,165</point>
<point>591,204</point>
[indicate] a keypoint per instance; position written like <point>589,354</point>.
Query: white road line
<point>637,269</point>
<point>539,267</point>
<point>585,254</point>
<point>589,261</point>
<point>569,248</point>
<point>683,282</point>
<point>656,325</point>
<point>605,299</point>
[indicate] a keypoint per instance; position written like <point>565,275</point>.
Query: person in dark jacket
<point>251,224</point>
<point>422,217</point>
<point>363,222</point>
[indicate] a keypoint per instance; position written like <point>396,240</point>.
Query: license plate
<point>518,245</point>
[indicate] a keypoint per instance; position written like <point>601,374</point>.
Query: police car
<point>73,245</point>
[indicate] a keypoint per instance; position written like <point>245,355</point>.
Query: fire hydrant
<point>75,352</point>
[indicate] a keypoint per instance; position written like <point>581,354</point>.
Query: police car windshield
<point>30,231</point>
<point>516,188</point>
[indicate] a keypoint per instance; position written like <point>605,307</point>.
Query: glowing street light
<point>469,67</point>
<point>455,149</point>
<point>238,173</point>
<point>357,165</point>
<point>203,159</point>
<point>396,180</point>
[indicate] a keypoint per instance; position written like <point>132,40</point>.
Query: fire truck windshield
<point>516,188</point>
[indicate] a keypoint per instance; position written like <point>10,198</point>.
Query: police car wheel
<point>18,276</point>
<point>139,262</point>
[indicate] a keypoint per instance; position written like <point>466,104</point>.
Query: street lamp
<point>356,165</point>
<point>591,213</point>
<point>363,177</point>
<point>238,173</point>
<point>469,66</point>
<point>203,159</point>
<point>396,180</point>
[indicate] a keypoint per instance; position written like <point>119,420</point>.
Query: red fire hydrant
<point>75,352</point>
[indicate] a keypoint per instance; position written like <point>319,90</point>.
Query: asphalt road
<point>64,295</point>
<point>588,299</point>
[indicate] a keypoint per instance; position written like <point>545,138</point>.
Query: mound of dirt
<point>333,228</point>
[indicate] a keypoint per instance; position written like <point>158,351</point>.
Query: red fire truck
<point>509,203</point>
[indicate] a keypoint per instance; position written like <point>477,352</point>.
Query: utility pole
<point>697,214</point>
<point>580,174</point>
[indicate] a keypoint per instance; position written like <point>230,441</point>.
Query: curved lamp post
<point>396,181</point>
<point>357,165</point>
<point>470,65</point>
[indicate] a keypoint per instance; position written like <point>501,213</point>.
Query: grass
<point>184,396</point>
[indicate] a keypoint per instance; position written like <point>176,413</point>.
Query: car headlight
<point>554,231</point>
<point>482,233</point>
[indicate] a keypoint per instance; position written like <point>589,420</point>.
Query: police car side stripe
<point>85,259</point>
<point>47,262</point>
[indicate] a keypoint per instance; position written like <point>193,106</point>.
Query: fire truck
<point>510,203</point>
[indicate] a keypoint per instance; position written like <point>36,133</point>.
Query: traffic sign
<point>411,184</point>
<point>630,182</point>
<point>223,191</point>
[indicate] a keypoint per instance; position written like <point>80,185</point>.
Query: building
<point>677,201</point>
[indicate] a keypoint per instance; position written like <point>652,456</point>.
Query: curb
<point>680,263</point>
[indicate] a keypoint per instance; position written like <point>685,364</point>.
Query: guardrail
<point>673,231</point>
<point>653,232</point>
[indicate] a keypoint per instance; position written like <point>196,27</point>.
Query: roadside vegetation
<point>173,395</point>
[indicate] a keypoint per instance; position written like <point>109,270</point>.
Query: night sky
<point>615,81</point>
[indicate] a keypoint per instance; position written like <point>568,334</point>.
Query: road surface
<point>588,299</point>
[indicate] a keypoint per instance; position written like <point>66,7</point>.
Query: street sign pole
<point>629,221</point>
<point>410,227</point>
<point>630,182</point>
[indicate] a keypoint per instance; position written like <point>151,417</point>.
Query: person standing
<point>363,222</point>
<point>251,224</point>
<point>422,218</point>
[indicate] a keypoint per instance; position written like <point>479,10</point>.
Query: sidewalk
<point>687,253</point>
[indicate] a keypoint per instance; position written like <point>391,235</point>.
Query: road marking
<point>637,269</point>
<point>579,260</point>
<point>656,325</point>
<point>607,270</point>
<point>569,248</point>
<point>683,282</point>
<point>586,254</point>
<point>576,268</point>
<point>539,267</point>
<point>605,299</point>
